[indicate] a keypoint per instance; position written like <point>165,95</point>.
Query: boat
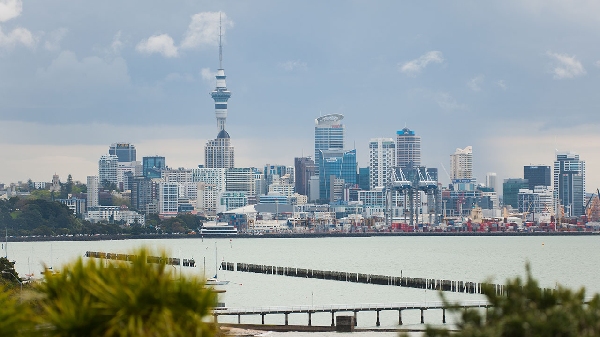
<point>214,281</point>
<point>219,229</point>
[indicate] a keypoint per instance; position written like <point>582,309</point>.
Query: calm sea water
<point>569,261</point>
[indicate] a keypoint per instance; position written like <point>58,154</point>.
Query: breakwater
<point>174,261</point>
<point>467,287</point>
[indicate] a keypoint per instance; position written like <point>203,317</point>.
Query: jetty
<point>400,281</point>
<point>353,309</point>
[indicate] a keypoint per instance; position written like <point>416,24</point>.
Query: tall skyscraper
<point>408,148</point>
<point>569,183</point>
<point>382,158</point>
<point>335,165</point>
<point>461,164</point>
<point>304,169</point>
<point>219,153</point>
<point>329,135</point>
<point>538,175</point>
<point>124,151</point>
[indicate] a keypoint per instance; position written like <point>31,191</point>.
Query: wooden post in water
<point>309,318</point>
<point>399,317</point>
<point>422,317</point>
<point>444,315</point>
<point>239,319</point>
<point>355,321</point>
<point>332,318</point>
<point>286,318</point>
<point>377,323</point>
<point>263,318</point>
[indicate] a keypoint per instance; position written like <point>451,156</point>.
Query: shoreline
<point>284,235</point>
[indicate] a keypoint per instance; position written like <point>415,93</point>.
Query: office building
<point>241,180</point>
<point>124,151</point>
<point>510,191</point>
<point>569,184</point>
<point>537,204</point>
<point>304,168</point>
<point>152,166</point>
<point>382,159</point>
<point>461,164</point>
<point>538,175</point>
<point>335,164</point>
<point>329,135</point>
<point>408,148</point>
<point>168,196</point>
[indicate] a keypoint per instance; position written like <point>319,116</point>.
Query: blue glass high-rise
<point>335,164</point>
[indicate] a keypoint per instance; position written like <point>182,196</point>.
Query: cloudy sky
<point>516,79</point>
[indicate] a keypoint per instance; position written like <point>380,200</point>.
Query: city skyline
<point>74,86</point>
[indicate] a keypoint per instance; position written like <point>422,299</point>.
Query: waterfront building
<point>335,164</point>
<point>114,214</point>
<point>152,166</point>
<point>408,148</point>
<point>188,188</point>
<point>124,151</point>
<point>461,164</point>
<point>538,175</point>
<point>107,169</point>
<point>304,168</point>
<point>329,135</point>
<point>282,188</point>
<point>510,191</point>
<point>382,158</point>
<point>569,184</point>
<point>219,153</point>
<point>93,185</point>
<point>491,181</point>
<point>274,198</point>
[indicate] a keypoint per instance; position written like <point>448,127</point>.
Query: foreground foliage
<point>528,310</point>
<point>95,298</point>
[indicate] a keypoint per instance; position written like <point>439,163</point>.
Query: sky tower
<point>220,95</point>
<point>219,153</point>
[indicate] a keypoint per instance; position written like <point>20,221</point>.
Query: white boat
<point>214,281</point>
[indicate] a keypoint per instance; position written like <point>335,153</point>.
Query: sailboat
<point>214,281</point>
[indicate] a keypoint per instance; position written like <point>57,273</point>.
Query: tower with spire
<point>218,153</point>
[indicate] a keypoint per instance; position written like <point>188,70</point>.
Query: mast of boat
<point>216,260</point>
<point>6,242</point>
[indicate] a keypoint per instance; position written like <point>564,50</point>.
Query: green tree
<point>8,274</point>
<point>15,315</point>
<point>132,298</point>
<point>528,310</point>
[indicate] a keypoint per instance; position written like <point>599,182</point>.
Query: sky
<point>515,79</point>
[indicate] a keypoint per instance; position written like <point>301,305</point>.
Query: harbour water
<point>565,260</point>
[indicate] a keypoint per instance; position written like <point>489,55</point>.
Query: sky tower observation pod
<point>331,119</point>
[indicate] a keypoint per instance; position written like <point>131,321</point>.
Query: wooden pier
<point>410,282</point>
<point>354,309</point>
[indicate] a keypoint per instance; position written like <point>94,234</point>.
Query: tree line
<point>40,217</point>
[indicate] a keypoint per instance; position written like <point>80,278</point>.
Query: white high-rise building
<point>382,158</point>
<point>569,184</point>
<point>107,169</point>
<point>92,191</point>
<point>408,148</point>
<point>461,164</point>
<point>168,196</point>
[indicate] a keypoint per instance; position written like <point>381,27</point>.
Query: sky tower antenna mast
<point>220,45</point>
